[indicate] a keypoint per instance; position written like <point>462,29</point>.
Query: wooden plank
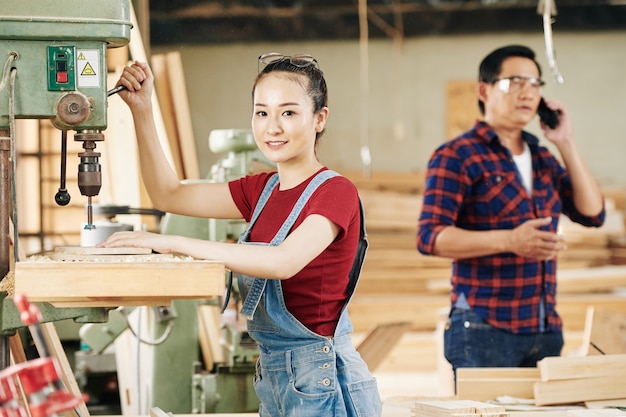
<point>421,311</point>
<point>484,384</point>
<point>120,163</point>
<point>618,402</point>
<point>421,347</point>
<point>78,282</point>
<point>402,182</point>
<point>570,391</point>
<point>461,108</point>
<point>209,335</point>
<point>67,374</point>
<point>607,331</point>
<point>596,413</point>
<point>591,280</point>
<point>573,307</point>
<point>456,407</point>
<point>379,341</point>
<point>180,102</point>
<point>164,95</point>
<point>138,53</point>
<point>559,367</point>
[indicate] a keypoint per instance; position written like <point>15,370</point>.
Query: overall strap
<point>258,286</point>
<point>265,195</point>
<point>302,200</point>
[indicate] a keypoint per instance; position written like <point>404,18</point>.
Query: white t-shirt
<point>524,164</point>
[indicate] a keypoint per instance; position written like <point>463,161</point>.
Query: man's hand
<point>529,241</point>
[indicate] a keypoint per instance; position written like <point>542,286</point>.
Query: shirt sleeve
<point>337,200</point>
<point>246,191</point>
<point>443,196</point>
<point>566,192</point>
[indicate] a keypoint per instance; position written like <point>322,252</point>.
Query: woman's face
<point>283,121</point>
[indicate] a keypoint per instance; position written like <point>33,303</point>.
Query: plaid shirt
<point>473,183</point>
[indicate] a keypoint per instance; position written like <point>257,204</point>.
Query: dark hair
<point>315,88</point>
<point>491,65</point>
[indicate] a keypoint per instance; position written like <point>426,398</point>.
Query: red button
<point>62,77</point>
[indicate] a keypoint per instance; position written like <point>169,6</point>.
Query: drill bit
<point>89,225</point>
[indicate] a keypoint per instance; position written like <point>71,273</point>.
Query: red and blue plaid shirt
<point>473,183</point>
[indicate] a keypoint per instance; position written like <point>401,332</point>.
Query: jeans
<point>326,378</point>
<point>470,342</point>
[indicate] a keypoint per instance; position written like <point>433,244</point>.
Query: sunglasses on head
<point>300,61</point>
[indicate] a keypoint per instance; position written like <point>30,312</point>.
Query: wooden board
<point>559,368</point>
<point>605,330</point>
<point>379,341</point>
<point>209,335</point>
<point>456,408</point>
<point>118,283</point>
<point>571,391</point>
<point>53,342</point>
<point>162,89</point>
<point>180,102</point>
<point>484,384</point>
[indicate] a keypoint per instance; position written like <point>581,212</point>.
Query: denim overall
<point>300,373</point>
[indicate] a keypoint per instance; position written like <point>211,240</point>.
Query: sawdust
<point>155,257</point>
<point>8,284</point>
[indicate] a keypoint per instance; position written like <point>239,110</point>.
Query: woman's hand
<point>155,241</point>
<point>139,82</point>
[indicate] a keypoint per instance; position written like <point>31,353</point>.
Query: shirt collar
<point>484,132</point>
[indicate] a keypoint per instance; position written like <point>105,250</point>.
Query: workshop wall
<point>407,94</point>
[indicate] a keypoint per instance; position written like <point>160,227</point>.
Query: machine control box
<point>61,68</point>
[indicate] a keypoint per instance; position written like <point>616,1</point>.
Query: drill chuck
<point>89,176</point>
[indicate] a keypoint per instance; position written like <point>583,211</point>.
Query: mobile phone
<point>547,115</point>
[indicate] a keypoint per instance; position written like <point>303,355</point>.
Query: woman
<point>295,262</point>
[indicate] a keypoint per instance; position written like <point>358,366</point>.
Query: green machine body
<point>58,52</point>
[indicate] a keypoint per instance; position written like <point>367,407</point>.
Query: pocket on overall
<point>359,387</point>
<point>364,398</point>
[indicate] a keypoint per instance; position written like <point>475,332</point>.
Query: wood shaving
<point>8,284</point>
<point>155,257</point>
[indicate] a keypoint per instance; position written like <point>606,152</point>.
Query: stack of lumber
<point>396,280</point>
<point>568,380</point>
<point>457,408</point>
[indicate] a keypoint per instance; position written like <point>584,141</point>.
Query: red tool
<point>37,379</point>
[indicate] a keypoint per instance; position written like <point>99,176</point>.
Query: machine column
<point>5,214</point>
<point>5,201</point>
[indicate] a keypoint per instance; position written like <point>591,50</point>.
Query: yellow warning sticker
<point>88,70</point>
<point>88,66</point>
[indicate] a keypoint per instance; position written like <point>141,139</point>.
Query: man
<point>492,201</point>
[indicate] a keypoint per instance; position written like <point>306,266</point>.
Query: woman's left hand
<point>155,241</point>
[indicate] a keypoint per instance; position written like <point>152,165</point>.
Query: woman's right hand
<point>139,81</point>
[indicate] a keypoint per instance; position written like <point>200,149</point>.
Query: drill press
<point>53,66</point>
<point>54,56</point>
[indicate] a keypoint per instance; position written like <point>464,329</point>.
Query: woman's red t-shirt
<point>316,294</point>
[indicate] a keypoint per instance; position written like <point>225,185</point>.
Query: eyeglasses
<point>517,83</point>
<point>300,61</point>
